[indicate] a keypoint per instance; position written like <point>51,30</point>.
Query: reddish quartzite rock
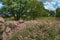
<point>1,20</point>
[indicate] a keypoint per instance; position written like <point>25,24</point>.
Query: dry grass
<point>39,30</point>
<point>46,29</point>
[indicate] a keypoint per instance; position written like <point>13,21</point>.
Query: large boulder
<point>1,20</point>
<point>1,27</point>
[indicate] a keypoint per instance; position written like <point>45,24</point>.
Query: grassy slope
<point>41,29</point>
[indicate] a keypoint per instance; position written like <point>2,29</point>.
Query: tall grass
<point>39,31</point>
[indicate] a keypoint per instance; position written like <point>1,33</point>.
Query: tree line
<point>25,9</point>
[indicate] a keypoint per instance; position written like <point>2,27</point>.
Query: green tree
<point>52,13</point>
<point>15,7</point>
<point>58,12</point>
<point>37,9</point>
<point>22,9</point>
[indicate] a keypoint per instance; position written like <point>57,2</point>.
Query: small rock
<point>20,21</point>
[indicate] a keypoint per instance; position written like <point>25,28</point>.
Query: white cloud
<point>56,0</point>
<point>49,5</point>
<point>52,5</point>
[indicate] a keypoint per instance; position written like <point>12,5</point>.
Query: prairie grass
<point>40,30</point>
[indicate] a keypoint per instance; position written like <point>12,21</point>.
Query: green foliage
<point>52,13</point>
<point>23,9</point>
<point>58,12</point>
<point>40,32</point>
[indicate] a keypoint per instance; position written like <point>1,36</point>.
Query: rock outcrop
<point>1,20</point>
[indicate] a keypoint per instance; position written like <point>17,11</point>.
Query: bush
<point>58,12</point>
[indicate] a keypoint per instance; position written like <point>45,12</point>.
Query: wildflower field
<point>29,19</point>
<point>45,29</point>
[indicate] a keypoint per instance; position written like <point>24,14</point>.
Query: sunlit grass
<point>40,31</point>
<point>46,28</point>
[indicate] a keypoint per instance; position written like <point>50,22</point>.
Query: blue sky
<point>48,4</point>
<point>51,4</point>
<point>1,5</point>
